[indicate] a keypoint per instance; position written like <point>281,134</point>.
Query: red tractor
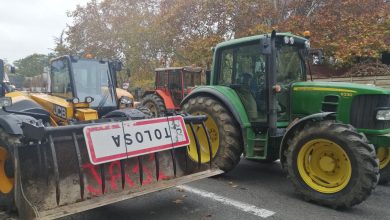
<point>171,86</point>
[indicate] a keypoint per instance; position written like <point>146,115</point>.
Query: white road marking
<point>263,213</point>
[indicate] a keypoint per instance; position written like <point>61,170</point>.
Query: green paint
<point>304,98</point>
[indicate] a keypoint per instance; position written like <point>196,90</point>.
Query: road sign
<point>120,140</point>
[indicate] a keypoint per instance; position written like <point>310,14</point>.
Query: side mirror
<point>265,46</point>
<point>117,65</point>
<point>12,69</point>
<point>5,102</point>
<point>316,56</point>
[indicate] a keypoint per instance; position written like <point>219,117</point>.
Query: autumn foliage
<point>150,33</point>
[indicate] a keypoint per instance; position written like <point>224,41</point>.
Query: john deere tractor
<point>78,147</point>
<point>328,136</point>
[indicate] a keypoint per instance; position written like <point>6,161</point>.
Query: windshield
<point>92,78</point>
<point>191,79</point>
<point>290,67</point>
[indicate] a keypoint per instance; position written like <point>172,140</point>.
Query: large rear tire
<point>331,164</point>
<point>224,132</point>
<point>155,104</point>
<point>7,144</point>
<point>383,155</point>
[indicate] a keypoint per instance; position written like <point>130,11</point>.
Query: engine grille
<point>364,108</point>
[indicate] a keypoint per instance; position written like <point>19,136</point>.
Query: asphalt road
<point>251,191</point>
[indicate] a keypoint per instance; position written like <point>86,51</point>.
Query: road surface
<point>251,191</point>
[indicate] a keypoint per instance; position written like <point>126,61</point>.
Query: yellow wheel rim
<point>383,154</point>
<point>213,130</point>
<point>6,183</point>
<point>324,166</point>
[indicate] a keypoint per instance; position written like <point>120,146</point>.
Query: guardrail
<point>381,81</point>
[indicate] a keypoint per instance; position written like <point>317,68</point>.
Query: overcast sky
<point>29,26</point>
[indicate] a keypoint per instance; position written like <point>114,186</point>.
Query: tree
<point>146,34</point>
<point>32,65</point>
<point>349,30</point>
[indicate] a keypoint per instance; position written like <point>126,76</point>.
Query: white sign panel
<point>120,140</point>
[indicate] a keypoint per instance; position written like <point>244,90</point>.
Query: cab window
<point>289,65</point>
<point>60,80</point>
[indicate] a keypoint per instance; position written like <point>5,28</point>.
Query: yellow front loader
<point>80,146</point>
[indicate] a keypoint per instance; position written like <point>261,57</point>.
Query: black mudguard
<point>132,114</point>
<point>12,123</point>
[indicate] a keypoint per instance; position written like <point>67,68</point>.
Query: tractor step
<point>259,147</point>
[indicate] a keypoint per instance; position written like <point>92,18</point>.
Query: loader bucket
<point>55,176</point>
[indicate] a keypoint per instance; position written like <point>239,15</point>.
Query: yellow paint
<point>122,92</point>
<point>383,154</point>
<point>213,130</point>
<point>86,114</point>
<point>346,94</point>
<point>15,94</point>
<point>48,102</point>
<point>53,122</point>
<point>81,105</point>
<point>324,166</point>
<point>18,97</point>
<point>323,89</point>
<point>6,183</point>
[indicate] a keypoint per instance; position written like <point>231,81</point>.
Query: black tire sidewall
<point>361,154</point>
<point>7,201</point>
<point>348,150</point>
<point>157,101</point>
<point>228,155</point>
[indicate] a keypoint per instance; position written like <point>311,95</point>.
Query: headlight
<point>5,102</point>
<point>292,40</point>
<point>126,100</point>
<point>89,99</point>
<point>383,115</point>
<point>286,40</point>
<point>75,100</point>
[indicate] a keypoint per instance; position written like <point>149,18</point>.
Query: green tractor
<point>328,136</point>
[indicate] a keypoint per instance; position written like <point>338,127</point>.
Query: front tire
<point>331,164</point>
<point>7,144</point>
<point>224,132</point>
<point>155,104</point>
<point>383,155</point>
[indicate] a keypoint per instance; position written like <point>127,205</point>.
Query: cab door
<point>175,86</point>
<point>243,69</point>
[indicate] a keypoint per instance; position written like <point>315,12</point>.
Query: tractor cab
<point>246,69</point>
<point>171,86</point>
<point>177,82</point>
<point>82,80</point>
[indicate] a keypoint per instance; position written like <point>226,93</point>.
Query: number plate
<point>120,140</point>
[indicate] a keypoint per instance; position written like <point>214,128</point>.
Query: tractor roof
<point>256,38</point>
<point>185,68</point>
